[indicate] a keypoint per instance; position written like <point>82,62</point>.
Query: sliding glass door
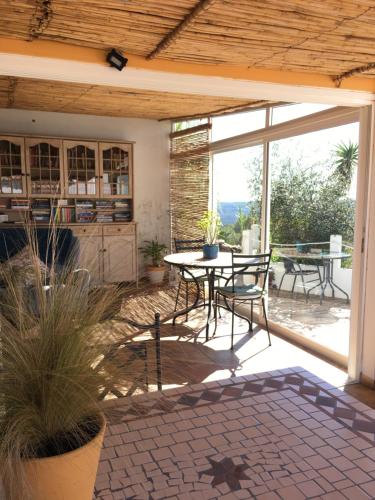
<point>312,214</point>
<point>295,192</point>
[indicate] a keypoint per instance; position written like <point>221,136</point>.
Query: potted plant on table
<point>154,250</point>
<point>210,223</point>
<point>51,421</point>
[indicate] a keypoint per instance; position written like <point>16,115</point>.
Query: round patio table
<point>195,260</point>
<point>327,260</point>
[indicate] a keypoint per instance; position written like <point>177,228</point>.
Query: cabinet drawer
<point>118,230</point>
<point>87,231</point>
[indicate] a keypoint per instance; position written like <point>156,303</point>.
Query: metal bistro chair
<point>200,276</point>
<point>235,290</point>
<point>293,268</point>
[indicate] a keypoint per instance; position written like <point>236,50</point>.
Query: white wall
<point>151,170</point>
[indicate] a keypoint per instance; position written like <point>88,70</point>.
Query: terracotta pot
<point>70,476</point>
<point>156,274</point>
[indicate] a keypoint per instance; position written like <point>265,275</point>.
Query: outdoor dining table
<point>186,261</point>
<point>327,260</point>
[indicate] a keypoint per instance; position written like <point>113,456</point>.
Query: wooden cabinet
<point>90,253</point>
<point>108,252</point>
<point>95,177</point>
<point>119,258</point>
<point>12,167</point>
<point>81,169</point>
<point>115,170</point>
<point>44,167</point>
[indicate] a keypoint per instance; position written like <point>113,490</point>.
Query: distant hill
<point>228,210</point>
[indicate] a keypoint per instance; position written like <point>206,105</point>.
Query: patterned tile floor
<point>279,435</point>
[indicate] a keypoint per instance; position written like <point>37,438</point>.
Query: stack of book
<point>104,211</point>
<point>41,210</point>
<point>125,215</point>
<point>122,216</point>
<point>85,212</point>
<point>104,204</point>
<point>125,204</point>
<point>20,204</point>
<point>86,204</point>
<point>87,216</point>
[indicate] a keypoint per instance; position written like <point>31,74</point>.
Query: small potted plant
<point>210,223</point>
<point>156,270</point>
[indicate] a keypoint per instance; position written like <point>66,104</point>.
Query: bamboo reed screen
<point>189,180</point>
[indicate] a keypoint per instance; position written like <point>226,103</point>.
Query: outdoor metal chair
<point>245,268</point>
<point>293,268</point>
<point>193,275</point>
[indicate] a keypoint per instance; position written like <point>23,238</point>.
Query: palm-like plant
<point>346,161</point>
<point>154,250</point>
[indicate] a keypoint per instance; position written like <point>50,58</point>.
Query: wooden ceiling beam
<point>242,108</point>
<point>200,7</point>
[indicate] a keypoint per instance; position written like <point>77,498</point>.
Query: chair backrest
<point>288,264</point>
<point>188,245</point>
<point>82,278</point>
<point>256,266</point>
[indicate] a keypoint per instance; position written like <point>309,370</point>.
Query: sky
<point>230,173</point>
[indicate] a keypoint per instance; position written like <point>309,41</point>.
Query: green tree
<point>345,163</point>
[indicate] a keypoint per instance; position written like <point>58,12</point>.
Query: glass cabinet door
<point>44,167</point>
<point>81,169</point>
<point>115,170</point>
<point>12,166</point>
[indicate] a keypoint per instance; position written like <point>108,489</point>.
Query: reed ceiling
<point>45,95</point>
<point>323,36</point>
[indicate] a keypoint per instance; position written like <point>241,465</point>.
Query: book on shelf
<point>87,216</point>
<point>63,215</point>
<point>122,184</point>
<point>122,217</point>
<point>123,204</point>
<point>41,218</point>
<point>41,203</point>
<point>20,204</point>
<point>104,204</point>
<point>84,204</point>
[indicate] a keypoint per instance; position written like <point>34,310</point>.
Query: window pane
<point>282,114</point>
<point>237,191</point>
<point>236,124</point>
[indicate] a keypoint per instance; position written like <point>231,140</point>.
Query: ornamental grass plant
<point>51,343</point>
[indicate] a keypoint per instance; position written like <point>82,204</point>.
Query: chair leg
<point>304,288</point>
<point>251,317</point>
<point>294,284</point>
<point>215,311</point>
<point>232,334</point>
<point>186,299</point>
<point>281,283</point>
<point>177,297</point>
<point>266,321</point>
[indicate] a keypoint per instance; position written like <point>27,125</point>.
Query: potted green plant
<point>51,340</point>
<point>210,223</point>
<point>154,251</point>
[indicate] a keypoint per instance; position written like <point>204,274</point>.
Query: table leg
<point>211,290</point>
<point>333,285</point>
